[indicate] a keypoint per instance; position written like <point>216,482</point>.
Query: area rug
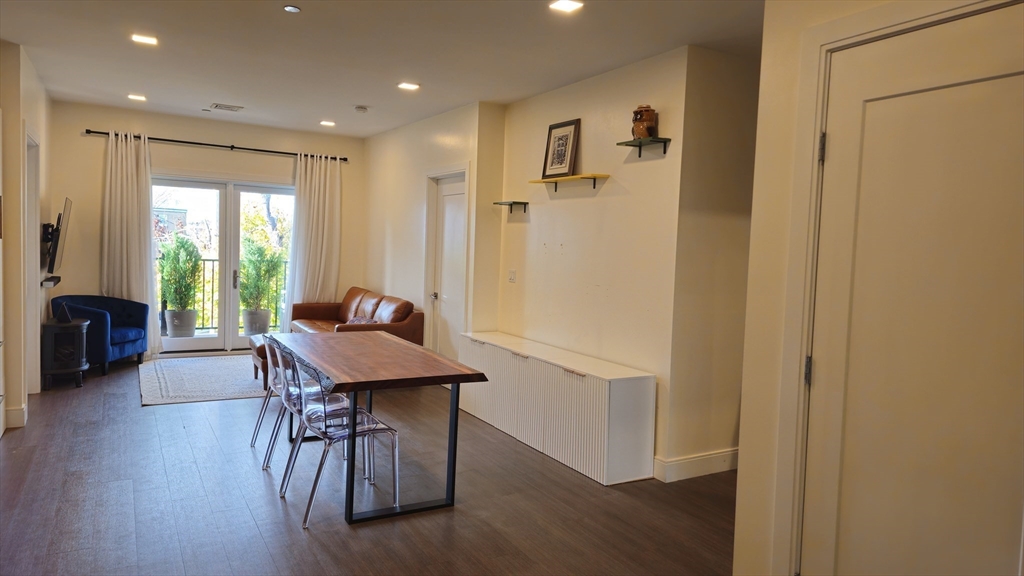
<point>177,380</point>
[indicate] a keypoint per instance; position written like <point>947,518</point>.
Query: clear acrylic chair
<point>282,371</point>
<point>316,418</point>
<point>337,409</point>
<point>274,386</point>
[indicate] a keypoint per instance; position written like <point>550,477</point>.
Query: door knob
<point>433,295</point>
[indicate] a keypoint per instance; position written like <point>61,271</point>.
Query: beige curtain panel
<point>316,235</point>
<point>126,253</point>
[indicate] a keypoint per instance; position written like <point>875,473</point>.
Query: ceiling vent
<point>227,107</point>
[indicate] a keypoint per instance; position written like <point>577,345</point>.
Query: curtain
<point>316,235</point>
<point>126,252</point>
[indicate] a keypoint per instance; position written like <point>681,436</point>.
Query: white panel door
<point>915,452</point>
<point>450,275</point>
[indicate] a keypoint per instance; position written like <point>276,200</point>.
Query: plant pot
<point>180,323</point>
<point>255,322</point>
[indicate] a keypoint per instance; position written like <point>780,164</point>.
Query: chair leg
<point>255,371</point>
<point>106,368</point>
<point>266,385</point>
<point>394,463</point>
<point>259,420</point>
<point>138,359</point>
<point>316,484</point>
<point>366,459</point>
<point>273,437</point>
<point>292,456</point>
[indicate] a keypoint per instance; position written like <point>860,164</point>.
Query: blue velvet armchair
<point>117,328</point>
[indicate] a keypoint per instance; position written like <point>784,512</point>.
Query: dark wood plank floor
<point>96,484</point>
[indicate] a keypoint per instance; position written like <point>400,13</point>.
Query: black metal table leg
<point>449,492</point>
<point>350,466</point>
<point>453,444</point>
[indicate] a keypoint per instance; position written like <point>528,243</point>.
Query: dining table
<point>376,360</point>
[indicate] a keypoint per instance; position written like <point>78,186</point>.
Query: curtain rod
<point>222,146</point>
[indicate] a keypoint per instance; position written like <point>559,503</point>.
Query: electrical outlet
<point>512,276</point>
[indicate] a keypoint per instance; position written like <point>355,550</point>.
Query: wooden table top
<point>375,360</point>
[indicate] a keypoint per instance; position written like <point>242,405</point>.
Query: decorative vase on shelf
<point>645,122</point>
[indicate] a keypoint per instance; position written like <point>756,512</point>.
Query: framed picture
<point>560,153</point>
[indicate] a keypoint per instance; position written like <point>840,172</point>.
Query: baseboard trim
<point>697,465</point>
<point>15,417</point>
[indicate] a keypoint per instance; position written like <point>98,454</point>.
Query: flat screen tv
<point>60,230</point>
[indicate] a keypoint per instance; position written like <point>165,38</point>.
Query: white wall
<point>27,110</point>
<point>595,268</point>
<point>398,162</point>
<point>711,262</point>
<point>649,269</point>
<point>79,163</point>
<point>769,245</point>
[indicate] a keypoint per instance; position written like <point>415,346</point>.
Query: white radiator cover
<point>591,415</point>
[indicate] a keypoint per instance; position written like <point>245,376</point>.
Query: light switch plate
<point>512,276</point>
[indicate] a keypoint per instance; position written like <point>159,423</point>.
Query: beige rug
<point>177,380</point>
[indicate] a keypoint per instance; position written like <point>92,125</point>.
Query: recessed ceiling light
<point>409,86</point>
<point>138,97</point>
<point>326,123</point>
<point>566,5</point>
<point>292,9</point>
<point>144,39</point>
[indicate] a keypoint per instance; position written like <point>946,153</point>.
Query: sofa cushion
<point>392,309</point>
<point>368,304</point>
<point>361,320</point>
<point>311,326</point>
<point>123,334</point>
<point>350,303</point>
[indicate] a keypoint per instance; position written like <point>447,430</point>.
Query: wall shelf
<point>511,203</point>
<point>639,144</point>
<point>592,177</point>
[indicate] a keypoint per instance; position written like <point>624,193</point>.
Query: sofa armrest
<point>133,314</point>
<point>410,329</point>
<point>316,311</point>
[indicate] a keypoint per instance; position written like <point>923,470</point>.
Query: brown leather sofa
<point>361,310</point>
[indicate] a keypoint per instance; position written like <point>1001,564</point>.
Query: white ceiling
<point>294,70</point>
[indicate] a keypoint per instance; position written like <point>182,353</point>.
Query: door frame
<point>817,45</point>
<point>430,246</point>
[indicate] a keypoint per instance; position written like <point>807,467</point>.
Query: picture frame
<point>560,151</point>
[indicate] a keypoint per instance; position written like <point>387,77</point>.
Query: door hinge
<point>807,370</point>
<point>821,148</point>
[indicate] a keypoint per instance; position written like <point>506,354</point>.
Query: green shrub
<point>259,268</point>
<point>180,272</point>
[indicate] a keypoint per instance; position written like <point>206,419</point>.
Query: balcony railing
<point>207,303</point>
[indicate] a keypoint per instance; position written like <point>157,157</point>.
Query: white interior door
<point>915,450</point>
<point>449,318</point>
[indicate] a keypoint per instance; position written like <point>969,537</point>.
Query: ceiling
<point>294,70</point>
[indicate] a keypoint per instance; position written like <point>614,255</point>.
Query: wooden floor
<point>96,484</point>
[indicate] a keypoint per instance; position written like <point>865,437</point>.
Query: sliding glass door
<point>222,252</point>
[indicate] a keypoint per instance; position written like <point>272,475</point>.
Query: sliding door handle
<point>234,279</point>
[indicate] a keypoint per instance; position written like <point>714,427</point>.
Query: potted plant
<point>260,266</point>
<point>180,273</point>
